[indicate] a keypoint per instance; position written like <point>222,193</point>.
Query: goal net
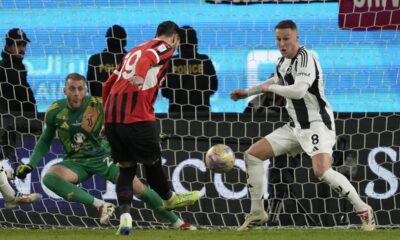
<point>362,82</point>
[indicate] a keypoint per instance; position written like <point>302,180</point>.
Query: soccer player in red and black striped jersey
<point>130,125</point>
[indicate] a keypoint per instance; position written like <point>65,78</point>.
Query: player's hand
<point>136,81</point>
<point>175,41</point>
<point>265,86</point>
<point>23,170</point>
<point>238,94</point>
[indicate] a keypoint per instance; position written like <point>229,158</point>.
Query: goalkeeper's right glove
<point>23,170</point>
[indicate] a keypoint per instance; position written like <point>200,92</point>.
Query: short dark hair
<point>167,28</point>
<point>75,77</point>
<point>286,24</point>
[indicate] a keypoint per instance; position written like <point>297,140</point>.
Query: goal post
<point>294,197</point>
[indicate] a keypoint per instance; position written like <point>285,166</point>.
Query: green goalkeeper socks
<point>154,201</point>
<point>71,192</point>
<point>67,190</point>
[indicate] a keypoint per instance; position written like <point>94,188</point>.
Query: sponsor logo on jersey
<point>303,74</point>
<point>162,48</point>
<point>79,138</point>
<point>76,123</point>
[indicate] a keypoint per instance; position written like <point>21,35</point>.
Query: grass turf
<point>275,234</point>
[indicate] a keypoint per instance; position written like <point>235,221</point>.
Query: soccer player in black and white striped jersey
<point>298,78</point>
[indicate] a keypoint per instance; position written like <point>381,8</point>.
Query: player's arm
<point>303,80</point>
<point>244,93</point>
<point>41,148</point>
<point>43,145</point>
<point>150,57</point>
<point>294,91</point>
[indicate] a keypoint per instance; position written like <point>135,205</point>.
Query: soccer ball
<point>220,158</point>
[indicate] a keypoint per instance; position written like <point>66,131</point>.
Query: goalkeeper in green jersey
<point>78,120</point>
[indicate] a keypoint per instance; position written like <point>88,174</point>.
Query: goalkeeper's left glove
<point>23,170</point>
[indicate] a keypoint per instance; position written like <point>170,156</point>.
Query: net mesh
<point>361,75</point>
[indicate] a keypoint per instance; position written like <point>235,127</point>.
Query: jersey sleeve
<point>294,91</point>
<point>48,133</point>
<point>305,68</point>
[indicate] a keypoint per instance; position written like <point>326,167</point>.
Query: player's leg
<point>124,190</point>
<point>157,180</point>
<point>275,144</point>
<point>339,183</point>
<point>254,157</point>
<point>6,190</point>
<point>107,169</point>
<point>318,142</point>
<point>123,182</point>
<point>154,201</point>
<point>11,198</point>
<point>99,166</point>
<point>146,149</point>
<point>62,179</point>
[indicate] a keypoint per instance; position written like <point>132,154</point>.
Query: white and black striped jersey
<point>302,82</point>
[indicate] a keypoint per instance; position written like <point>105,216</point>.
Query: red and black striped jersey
<point>125,103</point>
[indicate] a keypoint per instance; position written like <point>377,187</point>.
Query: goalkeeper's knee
<point>50,180</point>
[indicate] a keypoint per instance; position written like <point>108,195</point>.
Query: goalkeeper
<point>78,120</point>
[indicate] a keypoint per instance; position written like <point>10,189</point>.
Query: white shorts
<point>317,139</point>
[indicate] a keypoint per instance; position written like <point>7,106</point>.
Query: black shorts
<point>137,142</point>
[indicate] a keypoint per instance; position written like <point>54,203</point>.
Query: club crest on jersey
<point>89,118</point>
<point>289,70</point>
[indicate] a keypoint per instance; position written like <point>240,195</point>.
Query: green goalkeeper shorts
<point>103,166</point>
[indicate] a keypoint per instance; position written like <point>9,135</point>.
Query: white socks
<point>178,223</point>
<point>6,190</point>
<point>255,182</point>
<point>342,185</point>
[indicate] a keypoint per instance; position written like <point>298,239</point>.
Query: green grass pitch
<point>139,234</point>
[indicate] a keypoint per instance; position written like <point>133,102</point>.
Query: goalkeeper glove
<point>23,170</point>
<point>165,136</point>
